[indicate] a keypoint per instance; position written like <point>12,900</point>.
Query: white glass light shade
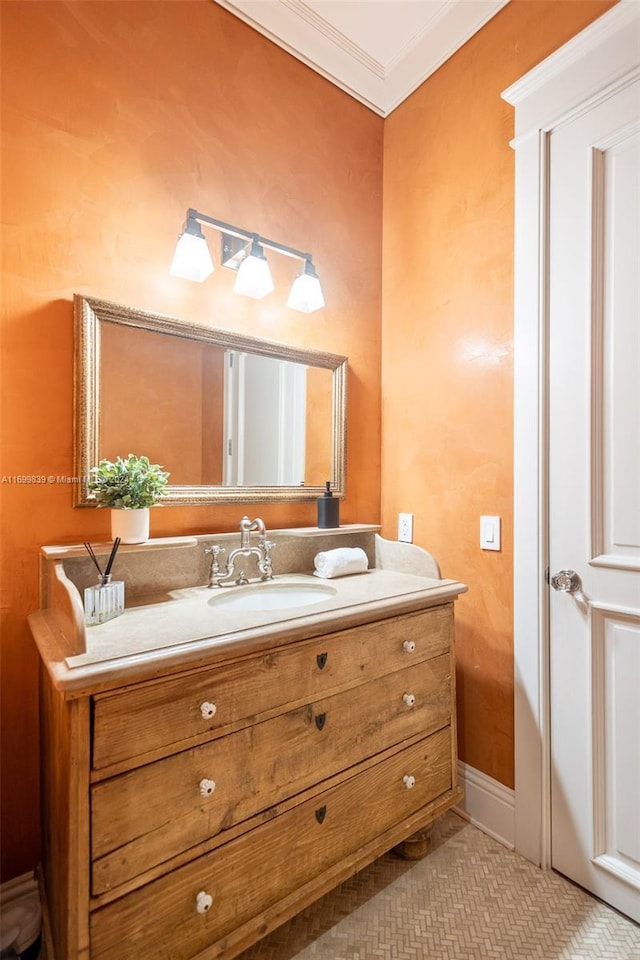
<point>254,278</point>
<point>306,294</point>
<point>192,260</point>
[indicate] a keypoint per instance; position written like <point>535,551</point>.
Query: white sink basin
<point>272,596</point>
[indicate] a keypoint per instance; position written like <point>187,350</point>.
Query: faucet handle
<point>215,551</point>
<point>266,546</point>
<point>265,565</point>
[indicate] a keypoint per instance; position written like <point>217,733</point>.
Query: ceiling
<point>379,51</point>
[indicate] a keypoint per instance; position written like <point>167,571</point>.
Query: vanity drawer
<point>144,817</point>
<point>252,873</point>
<point>160,715</point>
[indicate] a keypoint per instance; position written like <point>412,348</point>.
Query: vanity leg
<point>416,846</point>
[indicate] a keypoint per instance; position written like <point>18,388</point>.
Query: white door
<point>594,498</point>
<point>265,416</point>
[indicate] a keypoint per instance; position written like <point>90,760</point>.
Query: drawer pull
<point>409,646</point>
<point>208,710</point>
<point>321,813</point>
<point>409,699</point>
<point>321,660</point>
<point>207,787</point>
<point>321,720</point>
<point>203,902</point>
<point>409,782</point>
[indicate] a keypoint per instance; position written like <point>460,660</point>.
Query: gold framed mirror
<point>231,417</point>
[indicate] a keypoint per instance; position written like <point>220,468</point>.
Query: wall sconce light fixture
<point>254,277</point>
<point>306,292</point>
<point>192,259</point>
<point>243,251</point>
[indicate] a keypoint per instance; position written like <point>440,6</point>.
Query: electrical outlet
<point>405,527</point>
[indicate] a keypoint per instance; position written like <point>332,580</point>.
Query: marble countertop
<point>187,627</point>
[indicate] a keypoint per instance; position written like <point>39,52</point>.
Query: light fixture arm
<point>247,235</point>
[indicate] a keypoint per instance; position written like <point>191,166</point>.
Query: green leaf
<point>129,483</point>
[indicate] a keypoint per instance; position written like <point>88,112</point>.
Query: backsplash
<point>161,565</point>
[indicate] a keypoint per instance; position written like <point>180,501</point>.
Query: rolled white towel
<point>340,562</point>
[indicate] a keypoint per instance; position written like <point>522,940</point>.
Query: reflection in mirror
<point>277,421</point>
<point>162,395</point>
<point>230,417</point>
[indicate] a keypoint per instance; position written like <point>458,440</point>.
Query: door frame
<point>587,70</point>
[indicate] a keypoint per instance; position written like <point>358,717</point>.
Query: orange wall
<point>117,116</point>
<point>447,327</point>
<point>317,431</point>
<point>152,391</point>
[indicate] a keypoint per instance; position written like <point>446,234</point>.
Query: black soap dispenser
<point>328,509</point>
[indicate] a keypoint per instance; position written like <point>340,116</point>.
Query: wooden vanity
<point>193,803</point>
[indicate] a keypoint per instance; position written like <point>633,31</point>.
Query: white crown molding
<point>331,33</point>
<point>448,33</point>
<point>440,11</point>
<point>303,32</point>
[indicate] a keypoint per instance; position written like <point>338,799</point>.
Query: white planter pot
<point>132,526</point>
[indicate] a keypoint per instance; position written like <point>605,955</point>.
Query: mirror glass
<point>230,417</point>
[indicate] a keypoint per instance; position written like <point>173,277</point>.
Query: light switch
<point>490,533</point>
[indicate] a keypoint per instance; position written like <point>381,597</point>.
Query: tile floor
<point>469,899</point>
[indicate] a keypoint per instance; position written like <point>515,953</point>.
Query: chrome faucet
<point>223,577</point>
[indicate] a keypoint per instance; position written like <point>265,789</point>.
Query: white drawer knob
<point>208,710</point>
<point>409,782</point>
<point>203,902</point>
<point>207,787</point>
<point>409,699</point>
<point>409,646</point>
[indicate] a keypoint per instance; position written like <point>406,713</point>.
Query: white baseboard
<point>487,804</point>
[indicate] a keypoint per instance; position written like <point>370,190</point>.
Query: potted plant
<point>129,487</point>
